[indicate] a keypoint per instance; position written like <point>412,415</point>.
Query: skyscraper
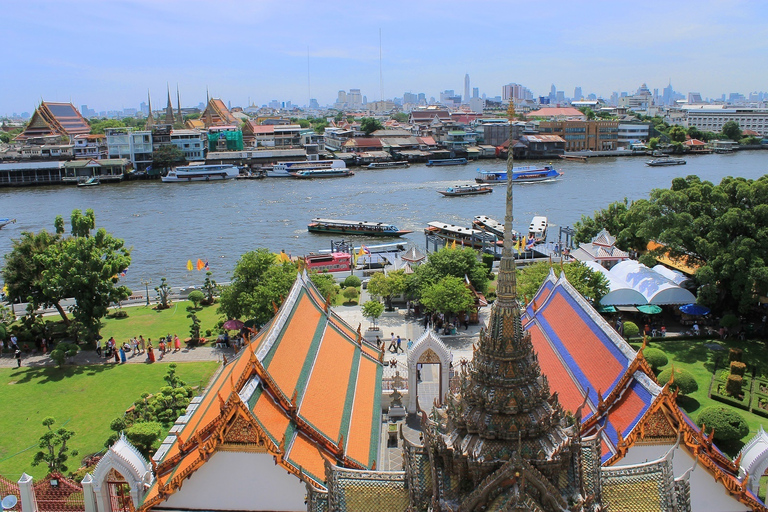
<point>577,94</point>
<point>466,88</point>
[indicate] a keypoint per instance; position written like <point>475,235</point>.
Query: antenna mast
<point>381,74</point>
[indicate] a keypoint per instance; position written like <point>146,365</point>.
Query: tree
<point>166,156</point>
<point>727,423</point>
<point>653,142</point>
<point>209,289</point>
<point>732,130</point>
<point>695,133</point>
<point>684,381</point>
<point>630,329</point>
<point>350,293</point>
<point>373,310</point>
<point>400,117</point>
<point>54,451</point>
<point>304,123</point>
<point>259,285</point>
<point>63,351</point>
<point>325,284</point>
<point>370,125</point>
<point>591,284</point>
<point>387,286</point>
<point>352,281</point>
<point>449,295</point>
<point>98,126</point>
<point>677,134</point>
<point>655,358</point>
<point>588,112</point>
<point>163,294</point>
<point>194,327</point>
<point>196,296</point>
<point>144,435</point>
<point>450,262</point>
<point>619,219</point>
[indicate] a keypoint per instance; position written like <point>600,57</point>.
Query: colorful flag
<point>189,265</point>
<point>453,245</point>
<point>122,274</point>
<point>200,264</point>
<point>359,253</point>
<point>530,243</point>
<point>206,267</point>
<point>365,249</point>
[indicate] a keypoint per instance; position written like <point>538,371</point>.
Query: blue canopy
<point>694,310</point>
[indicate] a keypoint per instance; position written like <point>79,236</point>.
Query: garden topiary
<point>630,329</point>
<point>727,423</point>
<point>143,435</point>
<point>733,385</point>
<point>655,358</point>
<point>352,281</point>
<point>735,354</point>
<point>729,320</point>
<point>738,368</point>
<point>684,382</point>
<point>196,297</point>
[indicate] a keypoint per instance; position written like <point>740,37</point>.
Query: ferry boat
<point>670,160</point>
<point>447,161</point>
<point>465,190</point>
<point>90,182</point>
<point>467,237</point>
<point>322,173</point>
<point>201,173</point>
<point>520,174</point>
<point>333,262</point>
<point>485,223</point>
<point>387,165</point>
<point>538,229</point>
<point>286,169</point>
<point>353,227</point>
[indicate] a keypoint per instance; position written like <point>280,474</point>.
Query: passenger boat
<point>538,229</point>
<point>447,161</point>
<point>670,160</point>
<point>353,227</point>
<point>322,173</point>
<point>577,158</point>
<point>4,222</point>
<point>485,223</point>
<point>90,182</point>
<point>467,237</point>
<point>202,173</point>
<point>286,169</point>
<point>465,190</point>
<point>333,262</point>
<point>387,165</point>
<point>520,174</point>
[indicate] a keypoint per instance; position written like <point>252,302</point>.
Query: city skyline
<point>109,54</point>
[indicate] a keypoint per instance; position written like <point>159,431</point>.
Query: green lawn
<point>694,356</point>
<point>152,323</point>
<point>84,398</point>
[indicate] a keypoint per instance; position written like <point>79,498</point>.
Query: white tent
<point>621,293</point>
<point>675,276</point>
<point>656,288</point>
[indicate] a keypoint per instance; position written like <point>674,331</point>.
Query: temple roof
<point>306,389</point>
<point>55,119</point>
<point>216,113</point>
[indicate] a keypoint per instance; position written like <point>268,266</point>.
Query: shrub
<point>733,385</point>
<point>738,368</point>
<point>350,293</point>
<point>63,351</point>
<point>684,381</point>
<point>729,320</point>
<point>352,281</point>
<point>727,423</point>
<point>120,313</point>
<point>735,354</point>
<point>488,260</point>
<point>196,297</point>
<point>143,436</point>
<point>655,358</point>
<point>630,329</point>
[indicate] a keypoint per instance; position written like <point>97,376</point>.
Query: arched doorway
<point>119,492</point>
<point>429,363</point>
<point>121,478</point>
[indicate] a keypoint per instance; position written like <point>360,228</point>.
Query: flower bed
<point>719,394</point>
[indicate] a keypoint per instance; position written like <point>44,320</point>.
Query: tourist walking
<point>17,355</point>
<point>150,352</point>
<point>399,348</point>
<point>135,344</point>
<point>122,355</point>
<point>161,348</point>
<point>142,344</point>
<point>392,347</point>
<point>176,343</point>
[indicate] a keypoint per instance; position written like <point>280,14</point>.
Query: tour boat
<point>333,262</point>
<point>577,158</point>
<point>467,237</point>
<point>90,182</point>
<point>658,162</point>
<point>485,223</point>
<point>322,173</point>
<point>387,165</point>
<point>353,227</point>
<point>465,190</point>
<point>447,161</point>
<point>4,222</point>
<point>287,169</point>
<point>538,228</point>
<point>519,175</point>
<point>202,173</point>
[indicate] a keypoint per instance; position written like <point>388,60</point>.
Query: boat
<point>90,182</point>
<point>538,229</point>
<point>723,151</point>
<point>669,160</point>
<point>576,158</point>
<point>465,190</point>
<point>333,262</point>
<point>520,174</point>
<point>286,169</point>
<point>485,223</point>
<point>387,165</point>
<point>255,174</point>
<point>323,173</point>
<point>4,222</point>
<point>447,161</point>
<point>353,227</point>
<point>466,237</point>
<point>204,172</point>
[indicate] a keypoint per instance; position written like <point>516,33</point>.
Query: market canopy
<point>694,310</point>
<point>620,292</point>
<point>656,288</point>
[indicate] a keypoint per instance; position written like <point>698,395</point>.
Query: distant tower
<point>466,88</point>
<point>150,120</point>
<point>169,109</point>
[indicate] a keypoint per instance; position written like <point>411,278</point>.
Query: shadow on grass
<point>730,448</point>
<point>44,375</point>
<point>688,404</point>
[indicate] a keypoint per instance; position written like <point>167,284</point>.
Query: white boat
<point>202,173</point>
<point>660,162</point>
<point>387,165</point>
<point>538,229</point>
<point>484,222</point>
<point>467,237</point>
<point>288,169</point>
<point>5,221</point>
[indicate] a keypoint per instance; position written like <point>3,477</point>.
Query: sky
<point>107,54</point>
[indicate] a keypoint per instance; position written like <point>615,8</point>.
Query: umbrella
<point>649,309</point>
<point>233,325</point>
<point>694,310</point>
<point>606,309</point>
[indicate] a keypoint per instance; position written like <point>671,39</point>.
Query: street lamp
<point>146,283</point>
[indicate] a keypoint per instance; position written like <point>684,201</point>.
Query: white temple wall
<point>239,481</point>
<point>706,494</point>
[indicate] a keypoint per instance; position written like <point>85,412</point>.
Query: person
<point>418,372</point>
<point>647,329</point>
<point>44,345</point>
<point>392,347</point>
<point>117,356</point>
<point>722,332</point>
<point>695,329</point>
<point>378,343</point>
<point>226,338</point>
<point>663,331</point>
<point>135,344</point>
<point>98,348</point>
<point>142,344</point>
<point>122,355</point>
<point>150,352</point>
<point>161,348</point>
<point>14,342</point>
<point>399,348</point>
<point>466,321</point>
<point>176,343</point>
<point>17,355</point>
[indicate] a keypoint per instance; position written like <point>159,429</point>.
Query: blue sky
<point>106,54</point>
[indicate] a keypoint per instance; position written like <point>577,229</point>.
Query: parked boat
<point>202,173</point>
<point>670,160</point>
<point>483,222</point>
<point>447,161</point>
<point>465,190</point>
<point>538,229</point>
<point>520,174</point>
<point>322,173</point>
<point>286,169</point>
<point>353,227</point>
<point>575,158</point>
<point>4,222</point>
<point>333,262</point>
<point>90,182</point>
<point>467,237</point>
<point>387,165</point>
<point>252,175</point>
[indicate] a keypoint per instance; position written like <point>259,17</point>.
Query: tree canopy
<point>448,295</point>
<point>457,262</point>
<point>167,156</point>
<point>388,285</point>
<point>732,130</point>
<point>370,125</point>
<point>259,284</point>
<point>592,285</point>
<point>54,451</point>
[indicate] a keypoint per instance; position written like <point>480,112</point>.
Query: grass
<point>152,323</point>
<point>85,399</point>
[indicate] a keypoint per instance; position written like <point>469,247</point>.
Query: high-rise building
<point>475,92</point>
<point>409,97</point>
<point>313,103</point>
<point>354,98</point>
<point>466,88</point>
<point>577,94</point>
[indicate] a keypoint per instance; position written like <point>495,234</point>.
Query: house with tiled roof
<point>557,113</point>
<point>305,392</point>
<point>601,249</point>
<point>216,113</point>
<point>55,120</point>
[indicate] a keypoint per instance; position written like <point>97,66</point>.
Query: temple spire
<point>169,109</point>
<point>506,291</point>
<point>178,104</point>
<point>150,120</point>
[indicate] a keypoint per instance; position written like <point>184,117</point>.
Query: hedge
<point>728,424</point>
<point>656,358</point>
<point>684,380</point>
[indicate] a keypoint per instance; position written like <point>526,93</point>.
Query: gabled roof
<point>216,113</point>
<point>556,112</point>
<point>307,388</point>
<point>55,119</point>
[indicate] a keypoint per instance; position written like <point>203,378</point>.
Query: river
<point>167,224</point>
